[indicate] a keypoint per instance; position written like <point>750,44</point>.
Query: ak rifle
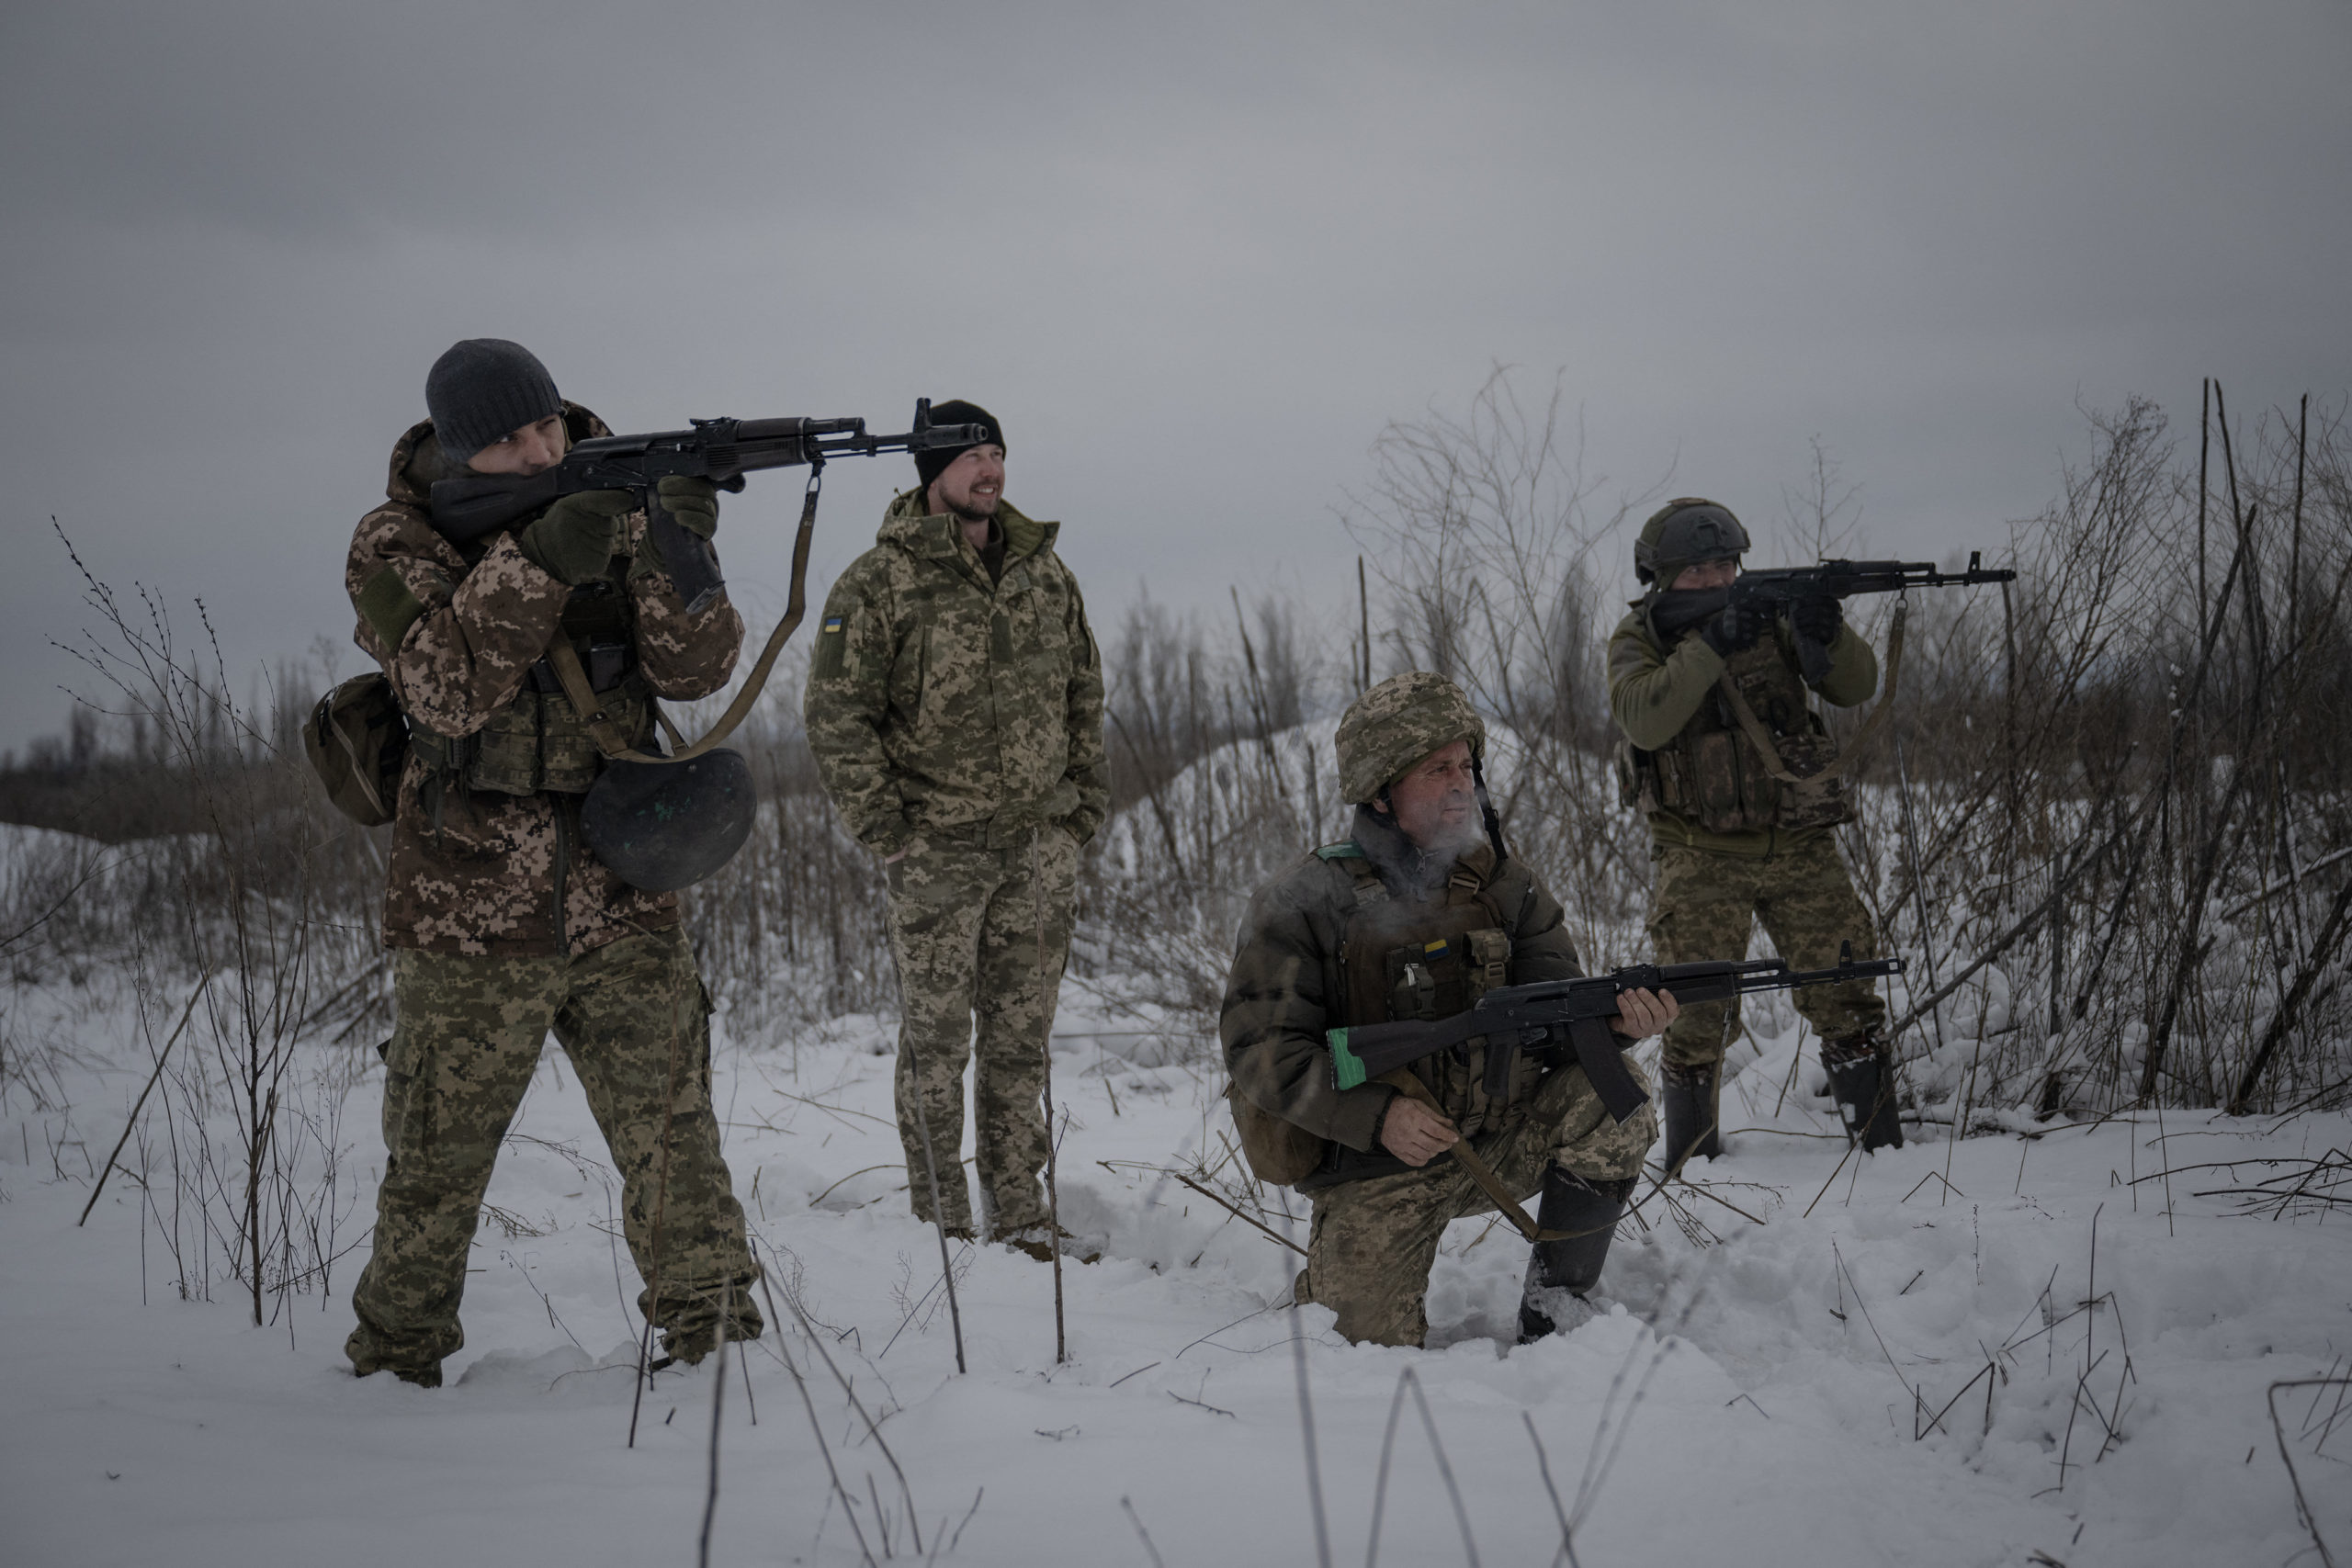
<point>721,450</point>
<point>1775,589</point>
<point>1515,1018</point>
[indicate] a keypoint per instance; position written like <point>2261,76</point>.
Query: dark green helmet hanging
<point>663,826</point>
<point>1683,532</point>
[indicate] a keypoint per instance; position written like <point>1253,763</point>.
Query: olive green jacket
<point>943,705</point>
<point>1286,988</point>
<point>1654,691</point>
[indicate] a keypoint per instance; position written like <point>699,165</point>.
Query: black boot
<point>1861,1075</point>
<point>1586,1214</point>
<point>1693,1114</point>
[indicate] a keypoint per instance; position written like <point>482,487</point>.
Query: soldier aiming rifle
<point>1710,677</point>
<point>504,920</point>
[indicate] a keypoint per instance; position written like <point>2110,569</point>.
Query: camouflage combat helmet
<point>1397,724</point>
<point>1685,532</point>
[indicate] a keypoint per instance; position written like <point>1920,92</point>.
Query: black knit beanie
<point>483,389</point>
<point>929,465</point>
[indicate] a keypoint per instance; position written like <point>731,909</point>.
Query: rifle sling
<point>1479,1171</point>
<point>1761,738</point>
<point>615,745</point>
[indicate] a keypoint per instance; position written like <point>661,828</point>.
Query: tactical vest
<point>1402,960</point>
<point>1424,959</point>
<point>1713,775</point>
<point>536,741</point>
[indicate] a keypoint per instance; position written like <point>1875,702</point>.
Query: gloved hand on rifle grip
<point>1736,625</point>
<point>1817,618</point>
<point>693,502</point>
<point>574,539</point>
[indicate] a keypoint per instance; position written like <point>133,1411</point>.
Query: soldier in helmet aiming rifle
<point>1737,774</point>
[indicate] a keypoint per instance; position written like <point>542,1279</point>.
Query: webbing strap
<point>1761,738</point>
<point>613,744</point>
<point>1405,1083</point>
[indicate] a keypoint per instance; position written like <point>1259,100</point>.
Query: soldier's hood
<point>1404,865</point>
<point>911,528</point>
<point>418,460</point>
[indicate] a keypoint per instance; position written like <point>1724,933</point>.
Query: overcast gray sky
<point>1193,256</point>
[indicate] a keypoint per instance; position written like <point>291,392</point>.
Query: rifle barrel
<point>1518,1015</point>
<point>721,449</point>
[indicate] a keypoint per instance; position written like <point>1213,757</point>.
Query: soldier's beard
<point>1448,840</point>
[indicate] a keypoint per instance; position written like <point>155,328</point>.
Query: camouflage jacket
<point>1655,693</point>
<point>1290,982</point>
<point>942,704</point>
<point>456,627</point>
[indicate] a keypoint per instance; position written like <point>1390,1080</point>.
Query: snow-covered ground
<point>2054,1345</point>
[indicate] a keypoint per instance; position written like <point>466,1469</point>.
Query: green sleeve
<point>1274,1015</point>
<point>846,707</point>
<point>455,643</point>
<point>1652,697</point>
<point>1089,767</point>
<point>1853,671</point>
<point>1542,948</point>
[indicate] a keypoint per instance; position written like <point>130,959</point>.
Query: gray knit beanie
<point>483,389</point>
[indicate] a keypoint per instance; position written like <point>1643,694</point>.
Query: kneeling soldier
<point>1415,916</point>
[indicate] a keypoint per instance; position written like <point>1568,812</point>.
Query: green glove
<point>693,502</point>
<point>575,539</point>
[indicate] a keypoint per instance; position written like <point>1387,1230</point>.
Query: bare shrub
<point>1483,530</point>
<point>259,892</point>
<point>2109,823</point>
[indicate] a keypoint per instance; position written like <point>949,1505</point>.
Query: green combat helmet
<point>1397,724</point>
<point>1685,532</point>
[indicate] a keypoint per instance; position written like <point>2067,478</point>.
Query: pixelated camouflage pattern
<point>1373,1242</point>
<point>1397,724</point>
<point>633,1019</point>
<point>1288,986</point>
<point>943,705</point>
<point>484,879</point>
<point>1705,907</point>
<point>974,979</point>
<point>1658,695</point>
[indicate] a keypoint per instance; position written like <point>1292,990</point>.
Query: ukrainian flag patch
<point>832,623</point>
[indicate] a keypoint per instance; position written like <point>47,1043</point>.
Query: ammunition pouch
<point>1632,765</point>
<point>1425,961</point>
<point>358,740</point>
<point>537,742</point>
<point>1711,773</point>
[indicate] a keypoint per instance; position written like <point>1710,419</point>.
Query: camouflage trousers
<point>979,935</point>
<point>1705,907</point>
<point>632,1017</point>
<point>1374,1241</point>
